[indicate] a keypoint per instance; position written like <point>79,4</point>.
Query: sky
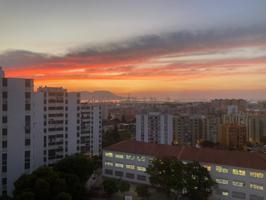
<point>146,48</point>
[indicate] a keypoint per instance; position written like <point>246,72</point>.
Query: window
<point>27,106</point>
<point>4,82</point>
<point>110,164</point>
<point>141,178</point>
<point>208,167</point>
<point>4,181</point>
<point>239,195</point>
<point>108,154</point>
<point>256,186</point>
<point>239,172</point>
<point>139,168</point>
<point>119,173</point>
<point>27,83</point>
<point>141,158</point>
<point>108,171</point>
<point>130,157</point>
<point>4,131</point>
<point>221,169</point>
<point>119,156</point>
<point>238,183</point>
<point>256,174</point>
<point>129,175</point>
<point>222,181</point>
<point>27,142</point>
<point>27,95</point>
<point>4,119</point>
<point>27,160</point>
<point>4,107</point>
<point>4,95</point>
<point>4,144</point>
<point>130,167</point>
<point>225,193</point>
<point>119,165</point>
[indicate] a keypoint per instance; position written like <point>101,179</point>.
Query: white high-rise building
<point>154,127</point>
<point>15,130</point>
<point>91,129</point>
<point>57,124</point>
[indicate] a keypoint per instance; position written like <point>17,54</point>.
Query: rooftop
<point>252,160</point>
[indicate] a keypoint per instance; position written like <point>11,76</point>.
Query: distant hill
<point>99,96</point>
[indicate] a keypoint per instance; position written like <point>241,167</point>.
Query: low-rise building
<point>239,175</point>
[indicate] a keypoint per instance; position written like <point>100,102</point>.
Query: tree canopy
<point>173,176</point>
<point>64,181</point>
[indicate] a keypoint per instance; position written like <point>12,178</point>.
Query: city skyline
<point>186,50</point>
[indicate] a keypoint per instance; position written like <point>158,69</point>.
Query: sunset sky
<point>181,49</point>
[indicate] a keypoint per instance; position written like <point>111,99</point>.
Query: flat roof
<point>253,160</point>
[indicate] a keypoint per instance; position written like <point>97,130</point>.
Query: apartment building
<point>256,128</point>
<point>233,135</point>
<point>16,134</point>
<point>239,175</point>
<point>51,124</point>
<point>154,127</point>
<point>91,129</point>
<point>188,129</point>
<point>212,128</point>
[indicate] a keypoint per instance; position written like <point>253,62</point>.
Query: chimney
<point>2,73</point>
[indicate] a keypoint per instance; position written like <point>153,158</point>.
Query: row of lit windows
<point>256,186</point>
<point>120,165</point>
<point>128,157</point>
<point>238,172</point>
<point>239,184</point>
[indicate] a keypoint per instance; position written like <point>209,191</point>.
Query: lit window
<point>208,167</point>
<point>141,158</point>
<point>256,186</point>
<point>222,181</point>
<point>120,165</point>
<point>225,193</point>
<point>110,164</point>
<point>130,166</point>
<point>108,154</point>
<point>238,183</point>
<point>239,172</point>
<point>143,169</point>
<point>256,174</point>
<point>221,169</point>
<point>130,157</point>
<point>119,156</point>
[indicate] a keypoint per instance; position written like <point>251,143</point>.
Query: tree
<point>79,165</point>
<point>26,196</point>
<point>65,180</point>
<point>123,186</point>
<point>190,180</point>
<point>42,189</point>
<point>143,191</point>
<point>63,196</point>
<point>198,182</point>
<point>168,174</point>
<point>5,197</point>
<point>110,186</point>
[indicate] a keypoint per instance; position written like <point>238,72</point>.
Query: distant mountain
<point>99,96</point>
